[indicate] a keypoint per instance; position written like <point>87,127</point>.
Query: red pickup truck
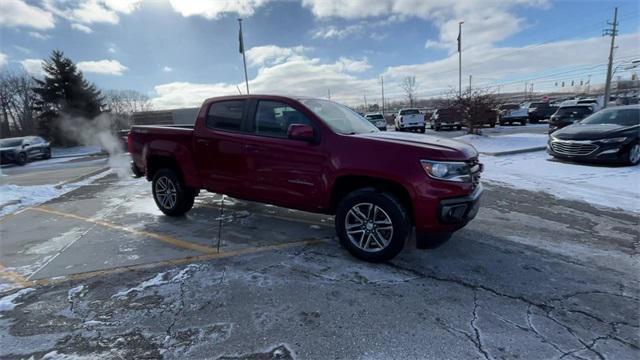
<point>319,156</point>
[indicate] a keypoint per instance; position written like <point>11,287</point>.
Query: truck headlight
<point>446,170</point>
<point>613,140</point>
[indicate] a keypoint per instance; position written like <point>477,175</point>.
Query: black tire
<point>183,197</point>
<point>459,127</point>
<point>392,210</point>
<point>437,128</point>
<point>421,130</point>
<point>523,122</point>
<point>502,123</point>
<point>492,125</point>
<point>47,154</point>
<point>628,160</point>
<point>21,159</point>
<point>431,241</point>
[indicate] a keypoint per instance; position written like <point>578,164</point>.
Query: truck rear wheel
<point>172,197</point>
<point>373,226</point>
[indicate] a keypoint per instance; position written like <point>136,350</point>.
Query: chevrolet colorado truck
<point>319,156</point>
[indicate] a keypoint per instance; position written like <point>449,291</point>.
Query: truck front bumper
<point>460,210</point>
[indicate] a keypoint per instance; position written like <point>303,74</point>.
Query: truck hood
<point>448,149</point>
<point>593,132</point>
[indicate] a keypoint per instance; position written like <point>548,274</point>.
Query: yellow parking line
<point>163,238</point>
<point>13,277</point>
<point>180,261</point>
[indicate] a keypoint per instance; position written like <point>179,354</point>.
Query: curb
<point>513,152</point>
<point>79,155</point>
<point>82,177</point>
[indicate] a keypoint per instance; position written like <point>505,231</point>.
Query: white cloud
<point>272,54</point>
<point>83,28</point>
<point>3,59</point>
<point>213,9</point>
<point>296,74</point>
<point>486,22</point>
<point>38,35</point>
<point>167,69</point>
<point>33,67</point>
<point>106,67</point>
<point>92,11</point>
<point>335,32</point>
<point>302,75</point>
<point>17,13</point>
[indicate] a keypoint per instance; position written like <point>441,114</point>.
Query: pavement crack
<point>475,328</point>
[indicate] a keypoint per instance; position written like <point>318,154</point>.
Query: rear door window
<point>226,115</point>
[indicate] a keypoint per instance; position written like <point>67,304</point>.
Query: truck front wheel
<point>172,197</point>
<point>372,225</point>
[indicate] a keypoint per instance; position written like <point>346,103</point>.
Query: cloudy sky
<point>179,52</point>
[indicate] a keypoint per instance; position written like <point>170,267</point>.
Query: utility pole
<point>589,85</point>
<point>460,59</point>
<point>329,93</point>
<point>469,84</point>
<point>366,108</point>
<point>382,88</point>
<point>613,31</point>
<point>524,96</point>
<point>531,91</point>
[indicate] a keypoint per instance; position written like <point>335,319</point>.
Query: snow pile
<point>502,143</point>
<point>615,187</point>
<point>75,151</point>
<point>14,197</point>
<point>160,279</point>
<point>7,303</point>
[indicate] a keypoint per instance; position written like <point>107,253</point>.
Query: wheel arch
<point>346,184</point>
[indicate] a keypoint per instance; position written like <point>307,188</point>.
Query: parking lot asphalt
<point>100,272</point>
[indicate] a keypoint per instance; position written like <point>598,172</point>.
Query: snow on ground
<point>8,303</point>
<point>75,151</point>
<point>614,187</point>
<point>501,143</point>
<point>15,197</point>
<point>160,279</point>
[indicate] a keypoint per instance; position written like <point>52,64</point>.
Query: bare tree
<point>408,85</point>
<point>123,103</point>
<point>476,107</point>
<point>16,104</point>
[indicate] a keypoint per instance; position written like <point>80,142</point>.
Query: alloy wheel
<point>166,192</point>
<point>634,154</point>
<point>368,227</point>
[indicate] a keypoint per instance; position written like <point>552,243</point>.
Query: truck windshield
<point>339,118</point>
<point>409,112</point>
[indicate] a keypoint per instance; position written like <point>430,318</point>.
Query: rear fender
<point>180,154</point>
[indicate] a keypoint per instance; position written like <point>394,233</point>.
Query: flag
<point>459,41</point>
<point>240,40</point>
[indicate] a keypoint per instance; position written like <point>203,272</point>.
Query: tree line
<point>38,106</point>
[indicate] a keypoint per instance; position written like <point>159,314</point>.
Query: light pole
<point>460,59</point>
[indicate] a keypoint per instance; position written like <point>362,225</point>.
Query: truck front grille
<point>573,148</point>
<point>476,169</point>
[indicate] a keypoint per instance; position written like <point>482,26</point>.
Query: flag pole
<point>244,60</point>
<point>460,59</point>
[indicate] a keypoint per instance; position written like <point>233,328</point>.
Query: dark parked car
<point>567,115</point>
<point>541,111</point>
<point>446,117</point>
<point>20,150</point>
<point>610,135</point>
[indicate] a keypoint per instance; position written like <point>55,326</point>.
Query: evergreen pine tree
<point>63,93</point>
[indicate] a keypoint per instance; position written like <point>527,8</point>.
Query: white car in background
<point>409,119</point>
<point>377,120</point>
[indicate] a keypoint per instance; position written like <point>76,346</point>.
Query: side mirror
<point>301,132</point>
<point>24,146</point>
